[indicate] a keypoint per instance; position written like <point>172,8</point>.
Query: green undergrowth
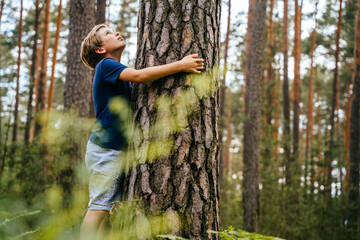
<point>230,234</point>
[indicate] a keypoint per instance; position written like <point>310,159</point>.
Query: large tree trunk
<point>15,126</point>
<point>354,211</point>
<point>32,74</point>
<point>183,184</point>
<point>78,77</point>
<point>252,125</point>
<point>41,91</point>
<point>285,90</point>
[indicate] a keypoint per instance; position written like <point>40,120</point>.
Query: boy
<point>101,50</point>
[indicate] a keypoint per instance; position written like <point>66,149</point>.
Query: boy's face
<point>112,41</point>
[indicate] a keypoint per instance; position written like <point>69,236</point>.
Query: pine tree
<point>34,58</point>
<point>354,208</point>
<point>78,77</point>
<point>228,96</point>
<point>335,105</point>
<point>54,61</point>
<point>285,90</point>
<point>16,108</point>
<point>41,91</point>
<point>183,186</point>
<point>252,123</point>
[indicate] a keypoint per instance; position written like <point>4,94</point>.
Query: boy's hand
<point>191,64</point>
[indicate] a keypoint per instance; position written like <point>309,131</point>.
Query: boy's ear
<point>100,51</point>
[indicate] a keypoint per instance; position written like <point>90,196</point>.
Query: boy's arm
<point>189,64</point>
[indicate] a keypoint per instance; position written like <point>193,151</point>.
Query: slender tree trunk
<point>354,208</point>
<point>41,91</point>
<point>32,74</point>
<point>52,78</point>
<point>1,9</point>
<point>319,134</point>
<point>335,104</point>
<point>224,160</point>
<point>276,98</point>
<point>252,123</point>
<point>297,80</point>
<point>16,109</point>
<point>292,168</point>
<point>269,78</point>
<point>347,135</point>
<point>183,184</point>
<point>228,130</point>
<point>309,124</point>
<point>5,145</point>
<point>78,77</point>
<point>286,98</point>
<point>36,87</point>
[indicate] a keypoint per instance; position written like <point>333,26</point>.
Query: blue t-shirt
<point>106,130</point>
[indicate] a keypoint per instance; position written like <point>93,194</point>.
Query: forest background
<point>303,134</point>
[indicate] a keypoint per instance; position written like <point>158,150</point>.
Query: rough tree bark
<point>78,77</point>
<point>29,116</point>
<point>183,186</point>
<point>354,208</point>
<point>252,123</point>
<point>15,126</point>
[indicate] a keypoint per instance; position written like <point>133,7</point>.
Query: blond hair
<point>89,45</point>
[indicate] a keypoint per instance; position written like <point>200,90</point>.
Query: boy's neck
<point>116,56</point>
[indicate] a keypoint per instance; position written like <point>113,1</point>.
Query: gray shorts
<point>106,179</point>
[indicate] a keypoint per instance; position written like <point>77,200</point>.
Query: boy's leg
<point>92,224</point>
<point>104,228</point>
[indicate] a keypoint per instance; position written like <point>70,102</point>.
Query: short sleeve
<point>111,69</point>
